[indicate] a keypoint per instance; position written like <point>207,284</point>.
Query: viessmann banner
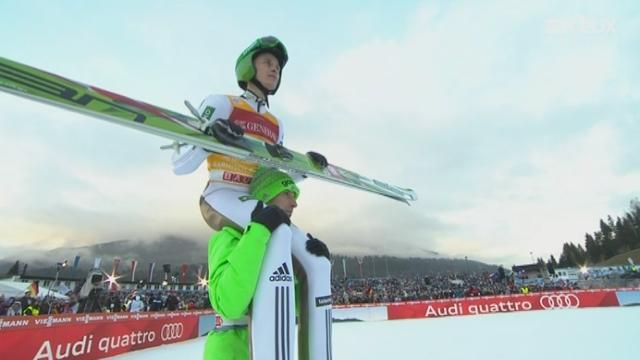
<point>92,336</point>
<point>497,304</point>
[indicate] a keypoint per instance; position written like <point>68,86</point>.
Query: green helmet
<point>245,71</point>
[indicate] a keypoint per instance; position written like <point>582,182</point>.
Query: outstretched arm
<point>235,260</point>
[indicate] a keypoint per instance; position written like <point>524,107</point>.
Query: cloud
<point>498,124</point>
<point>515,138</point>
<point>571,186</point>
<point>358,223</point>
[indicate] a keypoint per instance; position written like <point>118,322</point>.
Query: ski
<point>39,85</point>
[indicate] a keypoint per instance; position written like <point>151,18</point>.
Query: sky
<point>516,127</point>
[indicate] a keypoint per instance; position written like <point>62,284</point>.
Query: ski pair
<point>42,86</point>
<point>272,321</point>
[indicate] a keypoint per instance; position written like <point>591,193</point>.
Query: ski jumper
<point>227,193</point>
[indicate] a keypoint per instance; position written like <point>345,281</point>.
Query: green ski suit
<point>235,260</point>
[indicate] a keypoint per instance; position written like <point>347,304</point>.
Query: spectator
<point>32,309</point>
<point>15,309</point>
<point>44,306</point>
<point>94,302</point>
<point>172,302</point>
<point>115,304</point>
<point>156,303</point>
<point>137,305</point>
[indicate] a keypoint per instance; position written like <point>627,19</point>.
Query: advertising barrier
<point>93,336</point>
<point>628,297</point>
<point>100,335</point>
<point>505,303</point>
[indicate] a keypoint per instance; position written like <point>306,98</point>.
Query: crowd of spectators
<point>432,287</point>
<point>344,291</point>
<point>104,301</point>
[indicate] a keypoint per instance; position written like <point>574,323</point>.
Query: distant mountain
<point>381,266</point>
<point>176,251</point>
<point>168,250</point>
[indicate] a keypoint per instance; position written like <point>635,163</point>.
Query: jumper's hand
<point>271,216</point>
<point>318,158</point>
<point>317,247</point>
<point>223,128</point>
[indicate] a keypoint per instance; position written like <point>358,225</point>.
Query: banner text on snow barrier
<point>93,336</point>
<point>504,303</point>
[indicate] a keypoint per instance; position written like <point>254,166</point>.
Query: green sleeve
<point>235,260</point>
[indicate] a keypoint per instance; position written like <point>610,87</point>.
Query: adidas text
<point>280,278</point>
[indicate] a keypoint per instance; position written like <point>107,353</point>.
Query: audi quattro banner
<point>92,336</point>
<point>497,304</point>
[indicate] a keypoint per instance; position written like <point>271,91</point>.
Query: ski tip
<point>406,198</point>
<point>405,195</point>
<point>406,201</point>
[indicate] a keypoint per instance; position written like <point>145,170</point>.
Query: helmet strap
<point>265,92</point>
<point>251,94</point>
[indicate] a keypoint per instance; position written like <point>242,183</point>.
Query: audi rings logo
<point>171,331</point>
<point>559,301</point>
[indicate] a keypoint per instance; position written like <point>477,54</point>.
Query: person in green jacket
<point>235,260</point>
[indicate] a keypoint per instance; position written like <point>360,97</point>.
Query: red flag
<point>183,273</point>
<point>116,263</point>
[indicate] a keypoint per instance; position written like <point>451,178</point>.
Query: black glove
<point>270,216</point>
<point>317,247</point>
<point>318,158</point>
<point>280,151</point>
<point>224,129</point>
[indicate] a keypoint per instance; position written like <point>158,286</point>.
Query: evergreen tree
<point>573,255</point>
<point>634,223</point>
<point>551,265</point>
<point>625,234</point>
<point>581,256</point>
<point>618,240</point>
<point>593,251</point>
<point>613,238</point>
<point>565,257</point>
<point>608,245</point>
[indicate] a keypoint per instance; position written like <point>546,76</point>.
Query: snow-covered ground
<point>584,334</point>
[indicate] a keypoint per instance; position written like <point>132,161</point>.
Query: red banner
<point>93,336</point>
<point>507,303</point>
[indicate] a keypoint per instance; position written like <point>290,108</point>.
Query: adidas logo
<point>281,274</point>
